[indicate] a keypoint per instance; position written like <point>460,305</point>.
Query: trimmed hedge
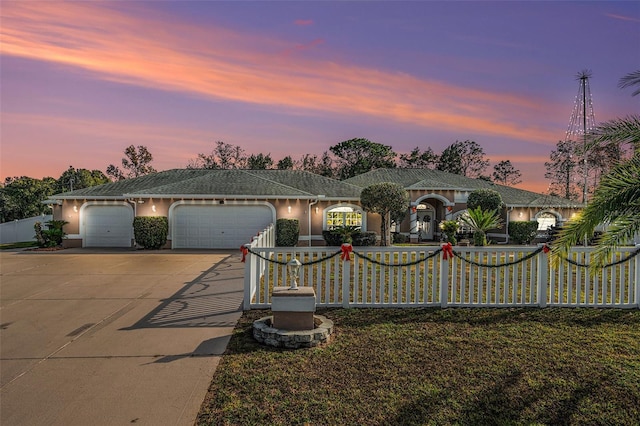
<point>287,232</point>
<point>151,231</point>
<point>523,232</point>
<point>358,238</point>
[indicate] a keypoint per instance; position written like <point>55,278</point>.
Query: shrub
<point>486,199</point>
<point>349,234</point>
<point>53,235</point>
<point>151,231</point>
<point>365,239</point>
<point>287,232</point>
<point>399,238</point>
<point>523,232</point>
<point>450,228</point>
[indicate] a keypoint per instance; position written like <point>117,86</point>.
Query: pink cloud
<point>303,47</point>
<point>622,17</point>
<point>221,64</point>
<point>303,22</point>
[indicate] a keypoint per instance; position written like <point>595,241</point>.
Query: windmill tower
<point>582,122</point>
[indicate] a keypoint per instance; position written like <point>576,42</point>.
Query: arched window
<point>342,215</point>
<point>546,220</point>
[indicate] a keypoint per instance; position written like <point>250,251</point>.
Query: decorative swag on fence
<point>441,276</point>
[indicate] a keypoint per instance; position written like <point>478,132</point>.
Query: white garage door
<point>108,226</point>
<point>218,226</point>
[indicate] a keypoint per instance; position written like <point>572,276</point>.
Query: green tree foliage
<point>505,173</point>
<point>486,199</point>
<point>136,163</point>
<point>481,221</point>
<point>72,179</point>
<point>560,170</point>
<point>464,158</point>
<point>616,200</point>
<point>259,162</point>
<point>357,156</point>
<point>322,166</point>
<point>222,156</point>
<point>286,163</point>
<point>417,159</point>
<point>388,200</point>
<point>22,197</point>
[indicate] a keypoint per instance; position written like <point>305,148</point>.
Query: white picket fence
<point>371,280</point>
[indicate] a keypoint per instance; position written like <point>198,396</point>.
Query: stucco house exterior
<point>226,208</point>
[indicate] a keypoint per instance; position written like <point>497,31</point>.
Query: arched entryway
<point>426,212</point>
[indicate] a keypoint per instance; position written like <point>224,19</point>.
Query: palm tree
<point>616,200</point>
<point>481,221</point>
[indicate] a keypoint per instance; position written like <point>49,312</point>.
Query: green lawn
<point>24,244</point>
<point>433,366</point>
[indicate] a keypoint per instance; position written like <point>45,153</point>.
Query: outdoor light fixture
<point>317,210</point>
<point>520,214</point>
<point>289,209</point>
<point>293,268</point>
<point>75,209</point>
<point>153,207</point>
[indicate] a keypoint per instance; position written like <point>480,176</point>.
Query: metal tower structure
<point>582,122</point>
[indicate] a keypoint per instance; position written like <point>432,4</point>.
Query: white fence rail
<point>474,277</point>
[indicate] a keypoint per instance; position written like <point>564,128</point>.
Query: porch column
<point>413,212</point>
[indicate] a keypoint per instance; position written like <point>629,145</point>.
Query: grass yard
<point>433,366</point>
<point>13,246</point>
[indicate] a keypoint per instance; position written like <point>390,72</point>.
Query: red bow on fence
<point>546,249</point>
<point>244,251</point>
<point>346,249</point>
<point>447,251</point>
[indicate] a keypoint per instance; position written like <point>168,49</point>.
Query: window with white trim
<point>343,215</point>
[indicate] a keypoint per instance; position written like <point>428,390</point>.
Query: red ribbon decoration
<point>244,251</point>
<point>346,249</point>
<point>447,251</point>
<point>546,249</point>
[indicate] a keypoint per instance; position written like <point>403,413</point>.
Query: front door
<point>425,224</point>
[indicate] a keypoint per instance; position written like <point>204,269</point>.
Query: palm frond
<point>619,131</point>
<point>618,233</point>
<point>631,79</point>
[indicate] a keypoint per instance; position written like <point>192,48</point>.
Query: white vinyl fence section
<point>494,276</point>
<point>21,230</point>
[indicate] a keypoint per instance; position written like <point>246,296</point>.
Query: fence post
<point>249,281</point>
<point>637,260</point>
<point>542,278</point>
<point>444,281</point>
<point>346,283</point>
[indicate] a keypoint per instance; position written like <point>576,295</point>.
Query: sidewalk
<point>113,338</point>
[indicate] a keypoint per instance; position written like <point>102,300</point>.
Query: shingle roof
<point>427,179</point>
<point>236,182</point>
<point>299,184</point>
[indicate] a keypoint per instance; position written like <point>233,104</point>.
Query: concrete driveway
<point>93,337</point>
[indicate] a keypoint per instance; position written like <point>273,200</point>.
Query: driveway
<point>92,337</point>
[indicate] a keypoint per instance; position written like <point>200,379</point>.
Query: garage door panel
<point>108,226</point>
<point>218,226</point>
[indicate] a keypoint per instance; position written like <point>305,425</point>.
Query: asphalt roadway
<point>113,337</point>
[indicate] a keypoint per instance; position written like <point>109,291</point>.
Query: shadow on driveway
<point>213,299</point>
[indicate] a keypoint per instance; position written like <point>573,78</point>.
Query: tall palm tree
<point>616,200</point>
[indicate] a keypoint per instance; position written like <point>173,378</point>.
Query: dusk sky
<point>80,81</point>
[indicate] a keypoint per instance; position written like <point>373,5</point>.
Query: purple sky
<point>81,81</point>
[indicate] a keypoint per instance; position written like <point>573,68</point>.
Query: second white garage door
<point>218,226</point>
